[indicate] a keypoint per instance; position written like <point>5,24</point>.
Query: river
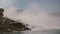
<point>49,31</point>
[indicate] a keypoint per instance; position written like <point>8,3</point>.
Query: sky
<point>39,14</point>
<point>48,5</point>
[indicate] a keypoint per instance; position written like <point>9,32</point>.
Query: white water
<point>34,16</point>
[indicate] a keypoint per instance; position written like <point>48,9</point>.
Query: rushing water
<point>50,31</point>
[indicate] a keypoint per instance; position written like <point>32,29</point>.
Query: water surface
<point>50,31</point>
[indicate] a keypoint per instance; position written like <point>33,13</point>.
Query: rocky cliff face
<point>7,24</point>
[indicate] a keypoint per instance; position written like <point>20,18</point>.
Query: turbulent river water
<point>49,31</point>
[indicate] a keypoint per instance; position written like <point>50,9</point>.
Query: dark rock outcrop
<point>7,24</point>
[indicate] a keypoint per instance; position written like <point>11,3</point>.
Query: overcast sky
<point>48,5</point>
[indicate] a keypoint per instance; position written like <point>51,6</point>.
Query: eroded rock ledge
<point>8,25</point>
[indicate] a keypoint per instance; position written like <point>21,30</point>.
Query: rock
<point>8,25</point>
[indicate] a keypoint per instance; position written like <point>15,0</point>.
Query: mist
<point>36,17</point>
